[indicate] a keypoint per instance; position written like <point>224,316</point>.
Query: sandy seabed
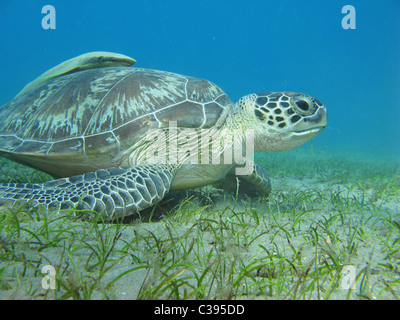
<point>329,230</point>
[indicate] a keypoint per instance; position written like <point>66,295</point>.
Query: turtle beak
<point>313,132</point>
<point>314,124</point>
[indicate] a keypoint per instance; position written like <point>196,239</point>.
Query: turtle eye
<point>303,105</point>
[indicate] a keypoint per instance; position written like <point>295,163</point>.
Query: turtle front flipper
<point>257,183</point>
<point>112,192</point>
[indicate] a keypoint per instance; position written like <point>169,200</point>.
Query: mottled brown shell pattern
<point>104,111</point>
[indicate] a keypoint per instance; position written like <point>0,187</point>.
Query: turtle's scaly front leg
<point>111,192</point>
<point>257,183</point>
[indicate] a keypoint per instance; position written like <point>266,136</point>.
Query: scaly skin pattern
<point>112,192</point>
<point>257,183</point>
<point>259,180</point>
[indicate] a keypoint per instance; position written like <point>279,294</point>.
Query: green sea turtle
<point>119,138</point>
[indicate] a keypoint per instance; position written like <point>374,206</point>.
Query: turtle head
<point>283,120</point>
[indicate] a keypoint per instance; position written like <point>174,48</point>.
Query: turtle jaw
<point>282,141</point>
<point>307,128</point>
<point>311,126</point>
<point>313,132</point>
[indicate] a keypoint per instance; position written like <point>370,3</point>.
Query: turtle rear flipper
<point>114,192</point>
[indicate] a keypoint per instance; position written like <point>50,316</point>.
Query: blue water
<point>243,46</point>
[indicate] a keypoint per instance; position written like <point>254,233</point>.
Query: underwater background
<point>330,229</point>
<point>242,46</point>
